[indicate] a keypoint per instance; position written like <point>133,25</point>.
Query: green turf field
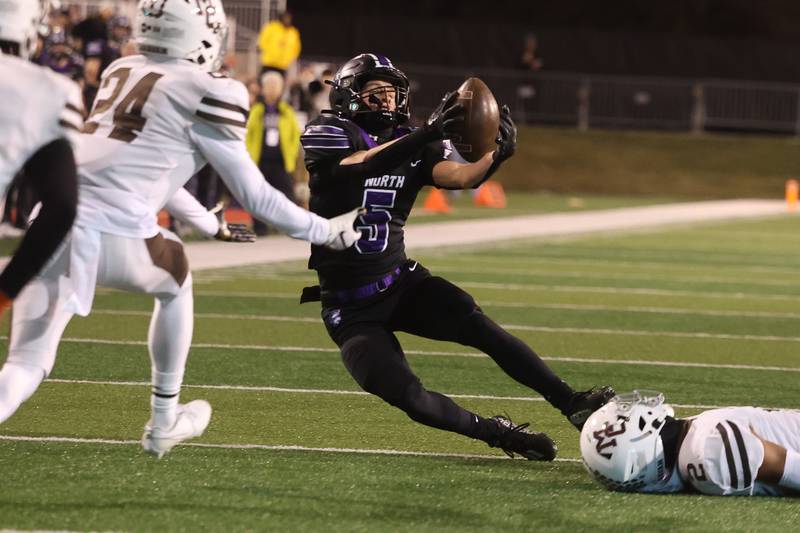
<point>528,203</point>
<point>708,314</point>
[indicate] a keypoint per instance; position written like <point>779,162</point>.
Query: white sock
<point>17,384</point>
<point>164,409</point>
<point>791,471</point>
<point>169,339</point>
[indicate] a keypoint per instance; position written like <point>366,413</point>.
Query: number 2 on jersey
<point>127,119</point>
<point>374,226</point>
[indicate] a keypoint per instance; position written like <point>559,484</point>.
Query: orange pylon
<point>436,202</point>
<point>791,194</point>
<point>490,194</point>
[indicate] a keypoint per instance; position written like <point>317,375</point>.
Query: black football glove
<point>231,232</point>
<point>506,143</point>
<point>447,116</point>
<point>506,136</point>
<point>234,233</point>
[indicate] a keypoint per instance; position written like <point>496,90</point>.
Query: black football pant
<point>433,308</point>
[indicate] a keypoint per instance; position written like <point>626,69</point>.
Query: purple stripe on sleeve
<point>324,143</point>
<point>322,128</point>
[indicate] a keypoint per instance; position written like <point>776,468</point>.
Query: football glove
<point>447,116</point>
<point>342,234</point>
<point>506,136</point>
<point>234,233</point>
<point>231,232</point>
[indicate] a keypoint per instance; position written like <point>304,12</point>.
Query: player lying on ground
<point>360,154</point>
<point>634,444</point>
<point>41,113</point>
<point>158,118</point>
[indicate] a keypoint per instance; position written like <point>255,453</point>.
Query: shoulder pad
<point>723,458</point>
<point>70,100</point>
<point>224,105</point>
<point>326,132</point>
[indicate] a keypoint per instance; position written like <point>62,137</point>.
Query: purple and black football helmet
<point>347,97</point>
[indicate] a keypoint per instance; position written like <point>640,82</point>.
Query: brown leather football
<point>481,120</point>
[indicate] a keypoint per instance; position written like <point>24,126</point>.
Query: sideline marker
<point>436,202</point>
<point>490,194</point>
<point>791,195</point>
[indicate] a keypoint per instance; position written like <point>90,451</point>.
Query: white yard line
<point>638,309</point>
<point>270,447</point>
<point>206,255</point>
<point>332,392</point>
<point>491,303</point>
<point>626,290</point>
<point>512,327</point>
<point>515,287</point>
<point>625,276</point>
<point>608,263</point>
<point>313,349</point>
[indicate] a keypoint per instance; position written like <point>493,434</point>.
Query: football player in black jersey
<point>361,154</point>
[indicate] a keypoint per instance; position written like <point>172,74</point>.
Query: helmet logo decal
<point>154,8</point>
<point>609,432</point>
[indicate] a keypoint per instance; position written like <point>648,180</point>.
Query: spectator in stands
<point>94,28</point>
<point>120,30</point>
<point>530,60</point>
<point>299,89</point>
<point>273,138</point>
<point>99,50</point>
<point>253,90</point>
<point>60,21</point>
<point>320,93</point>
<point>58,54</point>
<point>279,42</point>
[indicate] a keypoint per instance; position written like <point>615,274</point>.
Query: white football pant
<point>39,317</point>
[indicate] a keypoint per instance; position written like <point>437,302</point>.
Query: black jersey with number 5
<point>388,198</point>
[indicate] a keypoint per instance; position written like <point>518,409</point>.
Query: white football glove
<point>342,234</point>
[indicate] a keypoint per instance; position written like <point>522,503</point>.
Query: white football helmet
<point>188,29</point>
<point>21,21</point>
<point>621,443</point>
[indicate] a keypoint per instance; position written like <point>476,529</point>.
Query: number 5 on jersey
<point>374,225</point>
<point>127,119</point>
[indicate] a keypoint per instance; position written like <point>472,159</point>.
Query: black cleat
<point>517,439</point>
<point>583,404</point>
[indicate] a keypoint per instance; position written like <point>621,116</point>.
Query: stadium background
<point>691,68</point>
<point>639,104</point>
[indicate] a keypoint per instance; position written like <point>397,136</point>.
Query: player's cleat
<point>516,439</point>
<point>583,404</point>
<point>190,422</point>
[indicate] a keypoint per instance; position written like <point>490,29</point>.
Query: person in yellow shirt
<point>279,42</point>
<point>273,138</point>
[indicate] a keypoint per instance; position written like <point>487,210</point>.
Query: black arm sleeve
<point>389,158</point>
<point>52,175</point>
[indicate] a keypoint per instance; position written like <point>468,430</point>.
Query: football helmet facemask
<point>21,21</point>
<point>622,447</point>
<point>349,100</point>
<point>196,30</point>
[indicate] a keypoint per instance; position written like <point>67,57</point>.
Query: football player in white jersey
<point>41,114</point>
<point>157,119</point>
<point>634,444</point>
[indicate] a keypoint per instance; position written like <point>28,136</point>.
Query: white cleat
<point>190,422</point>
